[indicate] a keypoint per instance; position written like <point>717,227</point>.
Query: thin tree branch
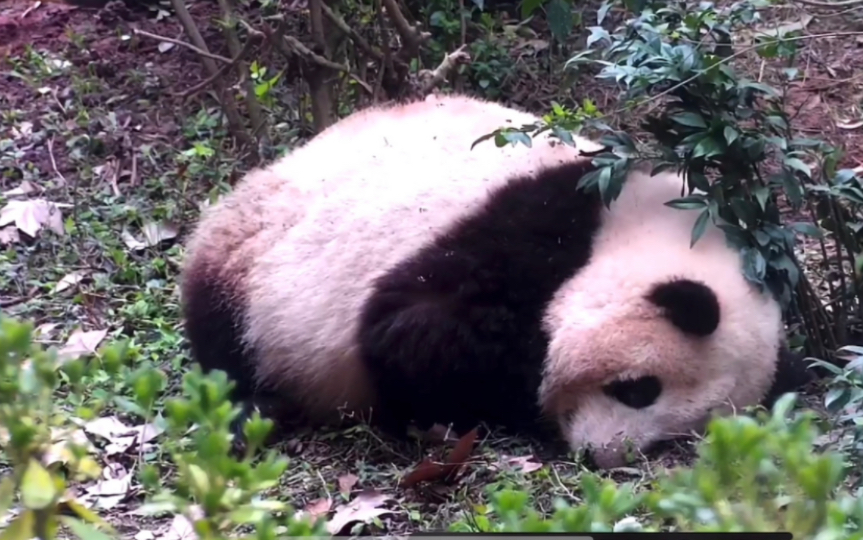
<point>189,46</point>
<point>350,32</point>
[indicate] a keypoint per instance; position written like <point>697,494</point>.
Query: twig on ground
<point>843,4</point>
<point>181,43</point>
<point>224,70</point>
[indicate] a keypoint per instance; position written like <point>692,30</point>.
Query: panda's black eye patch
<point>690,305</point>
<point>636,393</point>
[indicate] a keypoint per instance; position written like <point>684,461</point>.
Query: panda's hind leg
<point>213,313</point>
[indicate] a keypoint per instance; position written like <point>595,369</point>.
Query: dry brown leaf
<point>70,280</point>
<point>364,508</point>
<point>524,463</point>
<point>81,343</point>
<point>9,235</point>
<point>24,189</point>
<point>318,508</point>
<point>110,492</point>
<point>43,331</point>
<point>180,529</point>
<point>346,483</point>
<point>31,215</point>
<point>60,439</point>
<point>157,232</point>
<point>131,242</point>
<point>107,427</point>
<point>428,470</point>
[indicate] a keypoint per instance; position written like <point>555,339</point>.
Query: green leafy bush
<point>753,474</point>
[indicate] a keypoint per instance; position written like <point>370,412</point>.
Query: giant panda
<point>390,270</point>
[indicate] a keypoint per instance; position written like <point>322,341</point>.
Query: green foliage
<point>752,475</point>
<point>722,131</point>
<point>36,442</point>
<point>217,491</point>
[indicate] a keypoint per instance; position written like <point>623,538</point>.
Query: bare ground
<point>92,119</point>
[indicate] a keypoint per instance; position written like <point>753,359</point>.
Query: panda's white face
<point>636,350</point>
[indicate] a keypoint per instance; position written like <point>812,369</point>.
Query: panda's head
<point>653,337</point>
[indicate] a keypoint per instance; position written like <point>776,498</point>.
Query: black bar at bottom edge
<point>620,535</point>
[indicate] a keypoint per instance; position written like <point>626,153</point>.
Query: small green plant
<point>38,436</point>
<point>753,474</point>
<point>45,448</point>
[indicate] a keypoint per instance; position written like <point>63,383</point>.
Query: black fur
<point>453,334</point>
<point>213,321</point>
<point>689,305</point>
<point>213,324</point>
<point>636,393</point>
<point>792,374</point>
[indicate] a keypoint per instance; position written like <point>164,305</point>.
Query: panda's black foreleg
<point>451,359</point>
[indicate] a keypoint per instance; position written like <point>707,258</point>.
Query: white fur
<point>319,225</point>
<point>604,329</point>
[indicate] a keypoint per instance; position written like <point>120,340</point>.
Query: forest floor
<point>93,128</point>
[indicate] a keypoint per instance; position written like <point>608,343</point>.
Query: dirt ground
<point>92,118</point>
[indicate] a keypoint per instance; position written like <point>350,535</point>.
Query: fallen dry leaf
<point>43,331</point>
<point>110,492</point>
<point>180,529</point>
<point>25,188</point>
<point>32,215</point>
<point>318,508</point>
<point>81,343</point>
<point>107,427</point>
<point>346,483</point>
<point>157,232</point>
<point>70,280</point>
<point>59,450</point>
<point>428,470</point>
<point>9,235</point>
<point>365,507</point>
<point>524,463</point>
<point>131,242</point>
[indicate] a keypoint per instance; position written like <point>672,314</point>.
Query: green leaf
<point>691,202</point>
<point>603,11</point>
<point>21,528</point>
<point>809,229</point>
<point>699,227</point>
<point>730,134</point>
<point>82,530</point>
<point>798,165</point>
<point>707,147</point>
<point>597,33</point>
<point>762,193</point>
<point>37,487</point>
<point>690,119</point>
<point>529,6</point>
<point>560,18</point>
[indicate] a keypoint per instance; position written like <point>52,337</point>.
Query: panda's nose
<point>603,458</point>
<point>635,393</point>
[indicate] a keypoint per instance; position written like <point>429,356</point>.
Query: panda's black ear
<point>689,305</point>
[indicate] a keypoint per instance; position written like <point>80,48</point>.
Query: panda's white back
<point>373,190</point>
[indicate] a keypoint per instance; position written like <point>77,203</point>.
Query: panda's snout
<point>635,393</point>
